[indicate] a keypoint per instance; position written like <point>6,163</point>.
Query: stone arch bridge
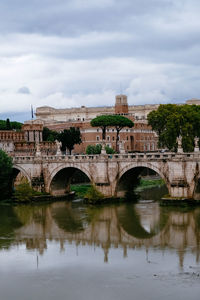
<point>110,173</point>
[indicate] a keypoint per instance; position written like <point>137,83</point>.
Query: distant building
<point>139,138</point>
<point>24,142</point>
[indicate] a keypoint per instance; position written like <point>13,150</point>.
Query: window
<point>97,138</point>
<point>108,138</point>
<point>113,138</point>
<point>127,138</point>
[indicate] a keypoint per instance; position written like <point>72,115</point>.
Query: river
<point>68,250</point>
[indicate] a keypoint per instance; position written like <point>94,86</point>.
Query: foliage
<point>109,150</point>
<point>69,138</point>
<point>80,189</point>
<point>7,125</point>
<point>93,149</point>
<point>116,121</point>
<point>5,174</point>
<point>25,193</point>
<point>49,135</point>
<point>93,196</point>
<point>171,120</point>
<point>151,182</point>
<point>96,149</point>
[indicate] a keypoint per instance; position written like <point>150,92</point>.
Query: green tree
<point>5,174</point>
<point>171,120</point>
<point>8,125</point>
<point>49,135</point>
<point>116,121</point>
<point>16,125</point>
<point>69,138</point>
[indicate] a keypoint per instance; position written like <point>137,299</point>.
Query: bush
<point>25,193</point>
<point>93,149</point>
<point>93,196</point>
<point>96,149</point>
<point>109,150</point>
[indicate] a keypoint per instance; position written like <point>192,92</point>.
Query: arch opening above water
<point>61,181</point>
<point>140,176</point>
<point>19,176</point>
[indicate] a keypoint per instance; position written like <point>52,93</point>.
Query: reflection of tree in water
<point>70,217</point>
<point>130,221</point>
<point>32,213</point>
<point>9,222</point>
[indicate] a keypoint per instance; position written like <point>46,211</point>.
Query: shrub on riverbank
<point>25,193</point>
<point>93,196</point>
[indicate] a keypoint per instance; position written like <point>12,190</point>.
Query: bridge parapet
<point>119,157</point>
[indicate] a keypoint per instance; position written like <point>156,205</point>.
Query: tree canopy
<point>5,174</point>
<point>49,135</point>
<point>116,121</point>
<point>69,138</point>
<point>7,125</point>
<point>171,120</point>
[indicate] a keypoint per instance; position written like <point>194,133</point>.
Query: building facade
<point>139,138</point>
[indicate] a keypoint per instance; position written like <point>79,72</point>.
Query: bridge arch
<point>137,167</point>
<point>59,180</point>
<point>17,169</point>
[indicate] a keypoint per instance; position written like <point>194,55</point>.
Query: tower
<point>121,105</point>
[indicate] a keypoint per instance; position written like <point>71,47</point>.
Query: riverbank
<point>149,182</point>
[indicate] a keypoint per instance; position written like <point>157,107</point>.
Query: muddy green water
<point>115,252</point>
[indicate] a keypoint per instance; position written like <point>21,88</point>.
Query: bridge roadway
<point>112,174</point>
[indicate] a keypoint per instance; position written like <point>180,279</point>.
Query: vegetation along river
<point>70,250</point>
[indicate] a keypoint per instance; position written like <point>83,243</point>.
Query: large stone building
<point>139,138</point>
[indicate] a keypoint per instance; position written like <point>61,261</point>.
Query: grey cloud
<point>83,49</point>
<point>24,90</point>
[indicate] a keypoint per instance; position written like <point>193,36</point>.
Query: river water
<point>68,250</point>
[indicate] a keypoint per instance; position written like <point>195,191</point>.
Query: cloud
<point>24,90</point>
<point>73,53</point>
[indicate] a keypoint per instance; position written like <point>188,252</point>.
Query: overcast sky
<point>66,53</point>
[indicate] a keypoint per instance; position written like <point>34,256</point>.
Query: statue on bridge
<point>179,142</point>
<point>58,145</point>
<point>121,147</point>
<point>38,150</point>
<point>196,144</point>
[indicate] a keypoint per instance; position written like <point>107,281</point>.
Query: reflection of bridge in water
<point>124,226</point>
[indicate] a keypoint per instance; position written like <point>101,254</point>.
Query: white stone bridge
<point>112,174</point>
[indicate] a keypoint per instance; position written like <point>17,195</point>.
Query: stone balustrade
<point>120,157</point>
